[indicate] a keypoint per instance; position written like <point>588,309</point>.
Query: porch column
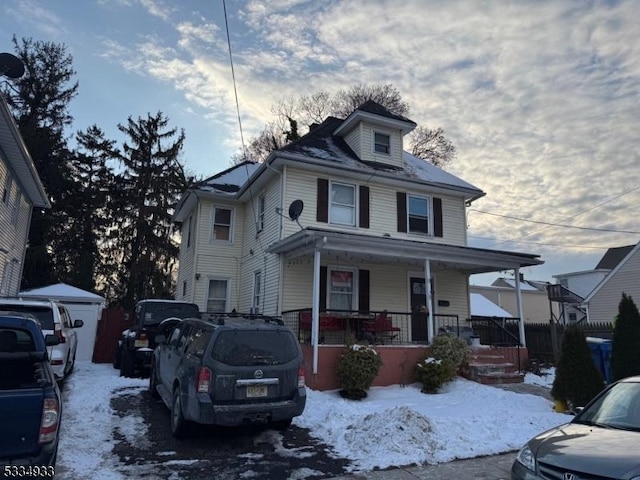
<point>427,287</point>
<point>523,341</point>
<point>315,314</point>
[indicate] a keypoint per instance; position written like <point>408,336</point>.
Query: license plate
<point>254,391</point>
<point>141,343</point>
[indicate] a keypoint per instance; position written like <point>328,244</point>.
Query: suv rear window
<point>154,313</point>
<point>43,314</point>
<point>254,347</point>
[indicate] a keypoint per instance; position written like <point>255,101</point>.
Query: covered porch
<point>337,285</point>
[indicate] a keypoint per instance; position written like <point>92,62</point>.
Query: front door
<point>419,315</point>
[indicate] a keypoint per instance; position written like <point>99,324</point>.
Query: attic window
<point>381,143</point>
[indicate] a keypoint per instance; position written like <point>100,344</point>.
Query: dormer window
<point>381,143</point>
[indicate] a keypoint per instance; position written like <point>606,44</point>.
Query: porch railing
<point>336,326</point>
<point>497,331</point>
<point>500,332</point>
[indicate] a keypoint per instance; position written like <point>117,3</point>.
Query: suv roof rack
<point>219,318</point>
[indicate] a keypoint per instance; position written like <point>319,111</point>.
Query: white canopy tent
<point>82,305</point>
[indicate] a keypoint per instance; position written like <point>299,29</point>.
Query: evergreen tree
<point>78,257</point>
<point>578,379</point>
<point>143,249</point>
<point>39,101</point>
<point>625,347</point>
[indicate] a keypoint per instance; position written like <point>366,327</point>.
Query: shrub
<point>433,373</point>
<point>625,346</point>
<point>452,349</point>
<point>357,368</point>
<point>578,379</point>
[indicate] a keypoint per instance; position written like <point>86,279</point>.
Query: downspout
<point>195,255</point>
<point>429,298</point>
<point>315,307</point>
<point>523,341</point>
<point>24,250</point>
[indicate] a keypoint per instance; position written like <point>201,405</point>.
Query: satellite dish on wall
<point>295,209</point>
<point>11,66</point>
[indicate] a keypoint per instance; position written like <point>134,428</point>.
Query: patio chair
<point>380,328</point>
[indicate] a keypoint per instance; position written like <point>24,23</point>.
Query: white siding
<point>268,265</point>
<point>603,307</point>
<point>383,210</point>
<point>535,303</point>
<point>583,284</point>
<point>218,259</point>
<point>186,263</point>
<point>367,143</point>
<point>353,140</point>
<point>15,214</point>
<point>388,287</point>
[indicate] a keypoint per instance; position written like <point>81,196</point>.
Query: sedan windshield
<point>618,407</point>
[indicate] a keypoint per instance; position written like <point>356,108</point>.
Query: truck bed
<point>22,390</point>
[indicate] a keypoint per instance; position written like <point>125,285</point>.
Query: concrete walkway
<point>495,467</point>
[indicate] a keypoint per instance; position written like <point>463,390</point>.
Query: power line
<point>540,243</point>
<point>552,224</point>
<point>567,218</point>
<point>233,75</point>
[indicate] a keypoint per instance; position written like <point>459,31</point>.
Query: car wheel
<point>179,425</point>
<point>127,365</point>
<point>281,425</point>
<point>72,365</point>
<point>116,358</point>
<point>153,382</point>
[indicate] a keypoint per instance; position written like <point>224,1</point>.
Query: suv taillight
<point>301,382</point>
<point>58,333</point>
<point>203,380</point>
<point>49,422</point>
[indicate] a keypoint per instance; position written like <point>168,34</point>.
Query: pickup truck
<point>30,401</point>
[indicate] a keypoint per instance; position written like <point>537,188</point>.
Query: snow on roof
<point>423,170</point>
<point>481,306</point>
<point>62,291</point>
<point>523,285</point>
<point>229,181</point>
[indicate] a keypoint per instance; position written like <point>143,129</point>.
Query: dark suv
<point>230,371</point>
<point>151,317</point>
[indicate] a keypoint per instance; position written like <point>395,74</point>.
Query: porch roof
<point>469,259</point>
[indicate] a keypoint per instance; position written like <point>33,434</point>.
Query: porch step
<point>489,367</point>
<point>500,378</point>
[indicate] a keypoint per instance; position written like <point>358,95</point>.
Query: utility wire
<point>551,224</point>
<point>233,76</point>
<point>539,243</point>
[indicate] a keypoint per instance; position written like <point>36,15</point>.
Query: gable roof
<point>229,180</point>
<point>373,112</point>
<point>14,152</point>
<point>634,250</point>
<point>613,257</point>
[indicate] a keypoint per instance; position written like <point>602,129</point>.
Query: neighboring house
<point>21,191</point>
<point>372,225</point>
<point>601,304</point>
<point>577,286</point>
<point>535,301</point>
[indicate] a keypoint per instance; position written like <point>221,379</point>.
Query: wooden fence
<point>544,339</point>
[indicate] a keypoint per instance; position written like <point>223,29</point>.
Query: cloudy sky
<point>540,98</point>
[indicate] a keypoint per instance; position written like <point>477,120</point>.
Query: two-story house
<point>21,191</point>
<point>341,220</point>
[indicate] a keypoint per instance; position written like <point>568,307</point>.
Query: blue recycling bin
<point>601,352</point>
<point>605,352</point>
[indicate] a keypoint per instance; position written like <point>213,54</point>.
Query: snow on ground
<point>392,426</point>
